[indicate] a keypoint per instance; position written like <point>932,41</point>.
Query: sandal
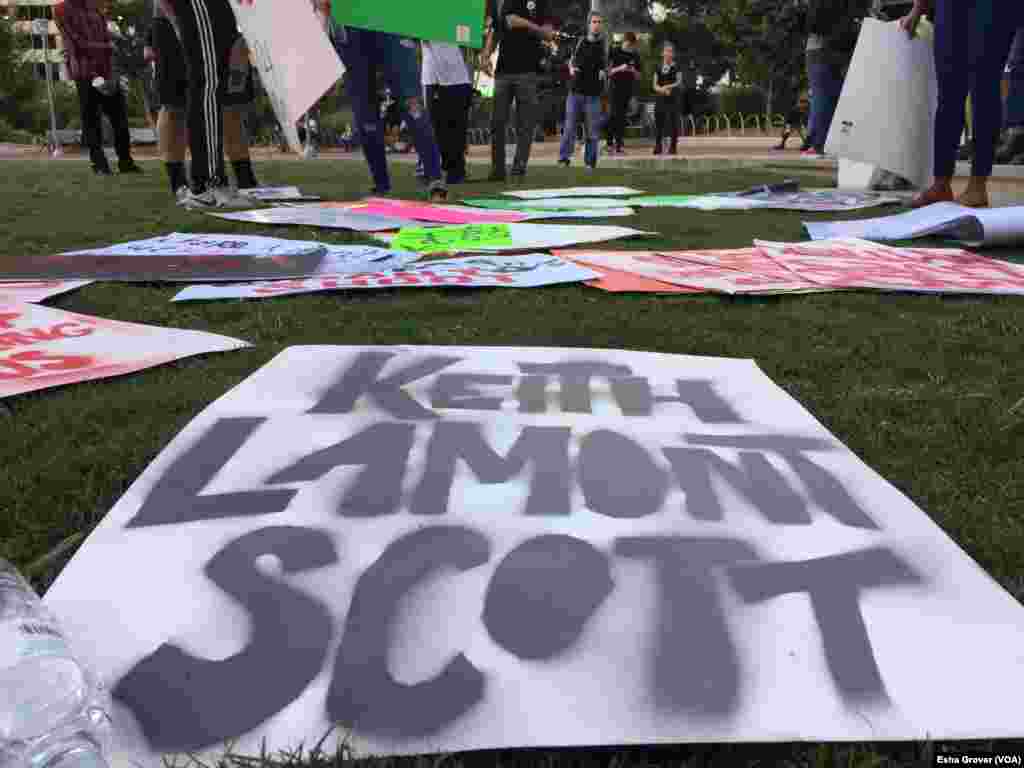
<point>437,192</point>
<point>932,195</point>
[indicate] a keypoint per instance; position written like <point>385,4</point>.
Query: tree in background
<point>765,40</point>
<point>19,89</point>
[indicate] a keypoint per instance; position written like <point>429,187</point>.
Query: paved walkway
<point>696,154</point>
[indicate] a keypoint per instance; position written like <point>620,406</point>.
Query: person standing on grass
<point>364,53</point>
<point>972,42</point>
<point>588,68</point>
<point>624,71</point>
<point>449,97</point>
<point>668,82</point>
<point>519,26</point>
<point>88,55</point>
<point>172,94</point>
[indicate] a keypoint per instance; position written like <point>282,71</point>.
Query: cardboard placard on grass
<point>436,549</point>
<point>43,347</point>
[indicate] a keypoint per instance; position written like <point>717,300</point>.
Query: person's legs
<point>116,109</point>
<point>1015,96</point>
<point>527,103</point>
<point>361,79</point>
<point>172,93</point>
<point>458,100</point>
<point>827,84</point>
<point>207,33</point>
<point>673,127</point>
<point>504,91</point>
<point>617,126</point>
<point>951,39</point>
<point>437,107</point>
<point>592,111</point>
<point>240,92</point>
<point>660,119</point>
<point>568,146</point>
<point>92,137</point>
<point>397,59</point>
<point>991,33</point>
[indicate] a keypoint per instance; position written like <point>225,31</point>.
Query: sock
<point>175,175</point>
<point>243,174</point>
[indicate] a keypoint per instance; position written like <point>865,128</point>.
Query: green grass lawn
<point>927,390</point>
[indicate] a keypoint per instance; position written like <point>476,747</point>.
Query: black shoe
<point>102,170</point>
<point>517,171</point>
<point>657,150</point>
<point>128,166</point>
<point>564,163</point>
<point>378,192</point>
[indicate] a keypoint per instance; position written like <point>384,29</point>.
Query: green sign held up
<point>470,237</point>
<point>448,21</point>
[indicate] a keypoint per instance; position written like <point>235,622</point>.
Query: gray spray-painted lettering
<point>184,703</point>
<point>363,378</point>
<point>761,483</point>
<point>175,496</point>
<point>543,593</point>
<point>618,476</point>
<point>456,390</point>
<point>696,666</point>
<point>383,449</point>
<point>822,486</point>
<point>575,377</point>
<point>833,585</point>
<point>547,448</point>
<point>363,694</point>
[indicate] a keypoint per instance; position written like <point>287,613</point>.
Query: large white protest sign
<point>451,548</point>
<point>538,194</point>
<point>971,226</point>
<point>886,112</point>
<point>193,244</point>
<point>328,216</point>
<point>528,271</point>
<point>350,259</point>
<point>42,347</point>
<point>36,290</point>
<point>293,55</point>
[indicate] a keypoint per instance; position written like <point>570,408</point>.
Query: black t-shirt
<point>617,58</point>
<point>667,74</point>
<point>521,50</point>
<point>589,62</point>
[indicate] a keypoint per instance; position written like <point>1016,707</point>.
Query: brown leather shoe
<point>932,195</point>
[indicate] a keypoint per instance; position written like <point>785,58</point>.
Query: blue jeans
<point>972,40</point>
<point>590,106</point>
<point>826,85</point>
<point>1015,96</point>
<point>363,53</point>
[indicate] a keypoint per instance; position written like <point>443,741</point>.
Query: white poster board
<point>452,548</point>
<point>36,290</point>
<point>293,55</point>
<point>531,270</point>
<point>43,347</point>
<point>886,112</point>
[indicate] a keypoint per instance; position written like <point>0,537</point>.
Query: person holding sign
<point>624,71</point>
<point>668,82</point>
<point>972,42</point>
<point>519,26</point>
<point>588,70</point>
<point>364,53</point>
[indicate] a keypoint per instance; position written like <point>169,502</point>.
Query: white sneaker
<point>229,197</point>
<point>193,201</point>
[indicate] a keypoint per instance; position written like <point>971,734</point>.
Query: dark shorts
<point>172,78</point>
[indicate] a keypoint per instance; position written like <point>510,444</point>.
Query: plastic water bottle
<point>53,711</point>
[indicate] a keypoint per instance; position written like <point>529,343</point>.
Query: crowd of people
<point>205,82</point>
